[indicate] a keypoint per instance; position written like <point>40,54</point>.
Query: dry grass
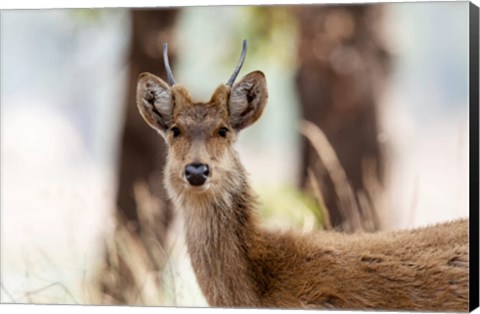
<point>357,209</point>
<point>135,261</point>
<point>317,192</point>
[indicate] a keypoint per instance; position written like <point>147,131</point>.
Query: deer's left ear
<point>247,100</point>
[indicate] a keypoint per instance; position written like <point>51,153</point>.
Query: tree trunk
<point>342,65</point>
<point>142,153</point>
<point>143,212</point>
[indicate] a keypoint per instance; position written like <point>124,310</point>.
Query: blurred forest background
<point>367,118</point>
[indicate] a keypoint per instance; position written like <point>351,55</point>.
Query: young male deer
<point>237,263</point>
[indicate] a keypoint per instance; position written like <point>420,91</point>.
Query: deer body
<point>238,263</point>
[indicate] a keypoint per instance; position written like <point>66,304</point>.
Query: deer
<point>239,263</point>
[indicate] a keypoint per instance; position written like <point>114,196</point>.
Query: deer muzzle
<point>196,173</point>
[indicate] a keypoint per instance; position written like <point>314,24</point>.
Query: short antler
<point>240,63</point>
<point>171,80</point>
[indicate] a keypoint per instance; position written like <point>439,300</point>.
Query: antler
<point>171,80</point>
<point>240,63</point>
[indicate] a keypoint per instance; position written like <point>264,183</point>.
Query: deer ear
<point>154,101</point>
<point>247,100</point>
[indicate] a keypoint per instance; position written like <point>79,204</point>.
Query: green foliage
<point>86,17</point>
<point>287,206</point>
<point>271,32</point>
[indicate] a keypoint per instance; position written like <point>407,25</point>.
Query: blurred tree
<point>342,65</point>
<point>141,200</point>
<point>142,150</point>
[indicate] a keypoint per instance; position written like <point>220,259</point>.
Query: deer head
<point>200,135</point>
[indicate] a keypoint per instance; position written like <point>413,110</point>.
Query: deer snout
<point>196,173</point>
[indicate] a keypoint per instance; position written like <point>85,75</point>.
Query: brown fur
<point>237,263</point>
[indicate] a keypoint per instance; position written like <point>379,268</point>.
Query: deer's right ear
<point>154,101</point>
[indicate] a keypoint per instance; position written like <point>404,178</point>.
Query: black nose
<point>196,173</point>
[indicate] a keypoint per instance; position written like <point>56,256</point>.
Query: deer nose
<point>196,173</point>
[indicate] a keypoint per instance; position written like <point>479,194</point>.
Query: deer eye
<point>175,131</point>
<point>223,132</point>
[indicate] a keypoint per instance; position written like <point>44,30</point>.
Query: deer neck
<point>220,232</point>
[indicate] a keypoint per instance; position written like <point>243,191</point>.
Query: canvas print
<point>298,156</point>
